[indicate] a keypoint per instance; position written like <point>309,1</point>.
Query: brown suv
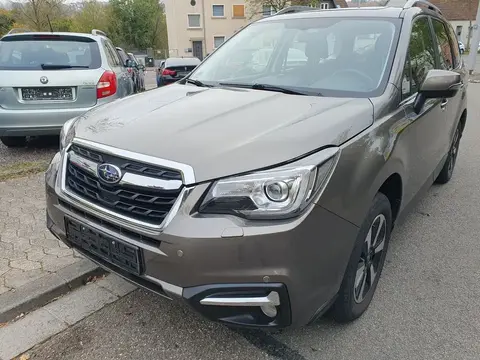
<point>264,192</point>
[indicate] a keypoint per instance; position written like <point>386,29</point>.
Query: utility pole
<point>472,57</point>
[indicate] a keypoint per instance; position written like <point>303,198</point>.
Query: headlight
<point>278,193</point>
<point>68,133</point>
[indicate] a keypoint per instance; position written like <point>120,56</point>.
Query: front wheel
<point>447,170</point>
<point>366,262</point>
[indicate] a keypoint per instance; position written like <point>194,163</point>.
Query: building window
<point>324,6</point>
<point>239,11</point>
<point>218,10</point>
<point>217,41</point>
<point>193,20</point>
<point>268,10</point>
<point>459,31</point>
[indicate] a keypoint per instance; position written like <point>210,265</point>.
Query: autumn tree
<point>138,24</point>
<point>6,21</point>
<point>38,14</point>
<point>93,15</point>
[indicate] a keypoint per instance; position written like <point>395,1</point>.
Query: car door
<point>422,135</point>
<point>119,69</point>
<point>449,60</point>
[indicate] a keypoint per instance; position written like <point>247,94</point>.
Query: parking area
<point>426,306</point>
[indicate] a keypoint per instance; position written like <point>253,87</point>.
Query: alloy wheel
<point>452,159</point>
<point>370,258</point>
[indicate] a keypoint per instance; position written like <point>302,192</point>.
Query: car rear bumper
<point>225,272</point>
<point>35,122</point>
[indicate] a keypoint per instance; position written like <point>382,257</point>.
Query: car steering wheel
<point>356,72</point>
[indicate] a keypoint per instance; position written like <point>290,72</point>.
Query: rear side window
<point>421,57</point>
<point>49,52</point>
<point>455,46</point>
<point>444,47</point>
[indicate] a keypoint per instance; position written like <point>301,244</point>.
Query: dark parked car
<point>174,69</point>
<point>265,193</point>
<point>139,70</point>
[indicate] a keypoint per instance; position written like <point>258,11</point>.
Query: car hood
<point>224,131</point>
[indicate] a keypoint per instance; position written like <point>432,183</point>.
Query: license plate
<point>182,74</point>
<point>47,93</point>
<point>108,248</point>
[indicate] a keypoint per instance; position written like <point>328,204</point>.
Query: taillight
<point>107,85</point>
<point>169,72</point>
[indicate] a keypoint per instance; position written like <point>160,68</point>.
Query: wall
<point>180,36</point>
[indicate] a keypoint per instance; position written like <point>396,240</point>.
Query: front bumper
<point>226,268</point>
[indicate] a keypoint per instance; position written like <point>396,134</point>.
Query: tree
<point>138,24</point>
<point>93,15</point>
<point>36,14</point>
<point>6,21</point>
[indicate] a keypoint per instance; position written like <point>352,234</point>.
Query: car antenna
<point>49,24</point>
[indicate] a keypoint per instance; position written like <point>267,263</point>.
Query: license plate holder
<point>108,248</point>
<point>47,93</point>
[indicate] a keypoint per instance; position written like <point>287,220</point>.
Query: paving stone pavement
<point>27,249</point>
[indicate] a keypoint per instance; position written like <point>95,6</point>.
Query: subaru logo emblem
<point>44,80</point>
<point>109,173</point>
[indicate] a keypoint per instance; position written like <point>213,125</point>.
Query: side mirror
<point>438,84</point>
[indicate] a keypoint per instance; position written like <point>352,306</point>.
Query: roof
<point>387,12</point>
<point>183,61</point>
<point>453,10</point>
<point>30,33</point>
<point>457,9</point>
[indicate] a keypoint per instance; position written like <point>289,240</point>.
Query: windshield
<point>51,52</point>
<point>327,56</point>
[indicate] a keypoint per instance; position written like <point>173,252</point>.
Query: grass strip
<point>21,169</point>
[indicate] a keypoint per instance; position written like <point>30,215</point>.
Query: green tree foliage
<point>132,24</point>
<point>35,14</point>
<point>93,15</point>
<point>138,23</point>
<point>6,21</point>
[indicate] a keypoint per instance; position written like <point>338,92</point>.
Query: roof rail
<point>98,32</point>
<point>294,9</point>
<point>420,3</point>
<point>407,4</point>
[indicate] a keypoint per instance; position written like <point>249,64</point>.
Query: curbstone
<point>41,291</point>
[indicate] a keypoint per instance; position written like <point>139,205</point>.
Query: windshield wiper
<point>267,87</point>
<point>196,82</point>
<point>59,66</point>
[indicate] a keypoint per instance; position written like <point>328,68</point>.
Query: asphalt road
<point>426,305</point>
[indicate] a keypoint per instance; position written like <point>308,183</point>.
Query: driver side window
<point>420,59</point>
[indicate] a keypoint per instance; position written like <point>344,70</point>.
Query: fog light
<point>269,310</point>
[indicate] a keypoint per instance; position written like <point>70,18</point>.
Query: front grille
<point>128,165</point>
<point>136,202</point>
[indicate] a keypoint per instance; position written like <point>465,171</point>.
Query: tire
<point>14,141</point>
<point>351,303</point>
<point>449,166</point>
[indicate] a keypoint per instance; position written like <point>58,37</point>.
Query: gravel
<point>37,150</point>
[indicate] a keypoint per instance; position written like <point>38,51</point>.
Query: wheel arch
<point>392,188</point>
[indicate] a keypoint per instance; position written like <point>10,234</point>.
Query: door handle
<point>443,104</point>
